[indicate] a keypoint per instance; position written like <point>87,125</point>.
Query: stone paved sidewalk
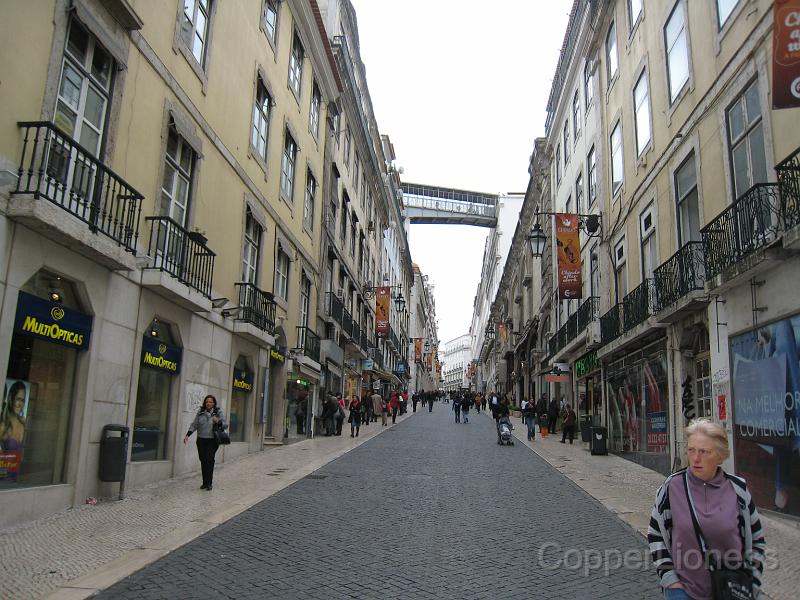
<point>628,490</point>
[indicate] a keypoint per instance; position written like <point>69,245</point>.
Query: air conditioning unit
<point>340,293</point>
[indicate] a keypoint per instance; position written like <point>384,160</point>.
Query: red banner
<point>429,361</point>
<point>569,256</point>
<point>786,54</point>
<point>382,312</point>
<point>417,349</point>
<point>502,332</point>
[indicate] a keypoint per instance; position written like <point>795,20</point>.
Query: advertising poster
<point>382,312</point>
<point>766,412</point>
<point>13,417</point>
<point>786,54</point>
<point>502,332</point>
<point>569,256</point>
<point>417,349</point>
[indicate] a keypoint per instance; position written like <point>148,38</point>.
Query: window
<point>194,27</point>
<point>588,83</point>
<point>634,12</point>
<point>252,245</point>
<point>612,60</point>
<point>677,51</point>
<point>347,142</point>
<point>641,104</point>
<point>356,173</point>
<point>647,229</point>
<point>687,202</point>
<point>702,382</point>
<point>296,66</point>
<point>178,167</point>
<point>558,165</point>
<point>308,201</point>
<point>746,140</point>
<point>314,111</point>
<point>305,299</point>
<point>287,166</point>
<point>620,270</point>
<point>261,115</point>
<point>566,143</point>
<point>579,193</point>
<point>353,236</point>
<point>594,272</point>
<point>724,10</point>
<point>591,176</point>
<point>616,158</point>
<point>343,232</point>
<point>576,115</point>
<point>282,274</point>
<point>568,205</point>
<point>270,19</point>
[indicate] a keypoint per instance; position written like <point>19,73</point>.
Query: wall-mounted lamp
<point>154,328</point>
<point>591,225</point>
<point>219,302</point>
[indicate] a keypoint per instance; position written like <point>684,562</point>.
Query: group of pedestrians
<point>361,411</point>
<point>463,402</point>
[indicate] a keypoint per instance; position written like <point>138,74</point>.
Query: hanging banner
<point>382,312</point>
<point>502,331</point>
<point>417,349</point>
<point>429,361</point>
<point>786,54</point>
<point>569,256</point>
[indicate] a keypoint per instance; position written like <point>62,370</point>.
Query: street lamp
<point>537,238</point>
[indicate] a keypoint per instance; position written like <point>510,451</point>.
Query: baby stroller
<point>504,428</point>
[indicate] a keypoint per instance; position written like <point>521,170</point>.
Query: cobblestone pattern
<point>429,509</point>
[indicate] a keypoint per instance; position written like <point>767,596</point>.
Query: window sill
<point>287,202</point>
<point>253,154</point>
<point>196,67</point>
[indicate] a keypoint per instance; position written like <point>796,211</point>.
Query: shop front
<point>51,331</point>
<point>589,386</point>
<point>300,394</point>
<point>241,399</point>
<point>637,398</point>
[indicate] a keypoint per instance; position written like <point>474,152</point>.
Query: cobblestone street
<point>428,509</point>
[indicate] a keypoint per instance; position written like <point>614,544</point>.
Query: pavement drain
<point>316,477</point>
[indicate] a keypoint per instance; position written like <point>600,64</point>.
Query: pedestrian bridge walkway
<point>428,204</point>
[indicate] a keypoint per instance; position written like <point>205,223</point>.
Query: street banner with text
<point>417,349</point>
<point>786,54</point>
<point>569,256</point>
<point>382,312</point>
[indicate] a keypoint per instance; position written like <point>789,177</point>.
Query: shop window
<point>241,393</point>
<point>702,380</point>
<point>298,397</point>
<point>49,331</point>
<point>161,359</point>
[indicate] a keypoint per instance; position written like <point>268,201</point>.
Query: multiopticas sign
<point>53,331</point>
<point>52,322</point>
<point>159,355</point>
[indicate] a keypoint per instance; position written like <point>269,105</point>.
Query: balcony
<point>788,171</point>
<point>611,324</point>
<point>334,307</point>
<point>356,335</point>
<point>308,343</point>
<point>255,318</point>
<point>638,305</point>
<point>735,241</point>
<point>182,265</point>
<point>578,322</point>
<point>679,283</point>
<point>55,168</point>
<point>347,322</point>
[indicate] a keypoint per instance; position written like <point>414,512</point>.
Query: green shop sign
<point>586,364</point>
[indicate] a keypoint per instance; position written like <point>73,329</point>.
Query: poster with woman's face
<point>12,427</point>
<point>17,395</point>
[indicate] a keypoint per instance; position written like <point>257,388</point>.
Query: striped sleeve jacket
<point>659,534</point>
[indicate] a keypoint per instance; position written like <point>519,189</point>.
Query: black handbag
<point>222,437</point>
<point>727,584</point>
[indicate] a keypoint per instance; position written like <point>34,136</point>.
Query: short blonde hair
<point>713,430</point>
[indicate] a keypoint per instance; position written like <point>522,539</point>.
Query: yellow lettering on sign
<point>160,362</point>
<point>52,331</point>
<point>242,385</point>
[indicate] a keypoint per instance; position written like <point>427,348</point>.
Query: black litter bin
<point>586,425</point>
<point>113,452</point>
<point>598,444</point>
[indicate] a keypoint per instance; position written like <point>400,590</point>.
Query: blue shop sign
<point>243,380</point>
<point>401,368</point>
<point>52,322</point>
<point>160,355</point>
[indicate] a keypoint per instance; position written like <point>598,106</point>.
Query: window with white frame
<point>641,105</point>
<point>676,43</point>
<point>195,26</point>
<point>314,111</point>
<point>309,200</point>
<point>262,110</point>
<point>568,205</point>
<point>617,164</point>
<point>579,193</point>
<point>558,165</point>
<point>649,249</point>
<point>296,66</point>
<point>724,10</point>
<point>347,142</point>
<point>576,115</point>
<point>270,19</point>
<point>686,197</point>
<point>252,246</point>
<point>282,273</point>
<point>287,165</point>
<point>634,12</point>
<point>591,177</point>
<point>566,143</point>
<point>612,58</point>
<point>305,299</point>
<point>746,140</point>
<point>178,169</point>
<point>620,269</point>
<point>588,83</point>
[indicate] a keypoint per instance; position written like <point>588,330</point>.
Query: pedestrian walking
<point>568,426</point>
<point>466,401</point>
<point>329,409</point>
<point>340,416</point>
<point>355,416</point>
<point>457,410</point>
<point>529,415</point>
<point>552,415</point>
<point>414,400</point>
<point>705,531</point>
<point>207,419</point>
<point>394,405</point>
<point>541,410</point>
<point>430,403</point>
<point>377,400</point>
<point>300,415</point>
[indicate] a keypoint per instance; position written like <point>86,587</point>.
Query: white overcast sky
<point>460,87</point>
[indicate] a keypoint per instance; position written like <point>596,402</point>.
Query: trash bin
<point>113,452</point>
<point>586,425</point>
<point>598,443</point>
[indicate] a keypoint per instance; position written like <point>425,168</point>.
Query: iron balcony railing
<point>334,306</point>
<point>611,324</point>
<point>747,225</point>
<point>55,167</point>
<point>308,342</point>
<point>552,345</point>
<point>356,334</point>
<point>394,339</point>
<point>365,343</point>
<point>182,254</point>
<point>681,273</point>
<point>257,307</point>
<point>575,324</point>
<point>347,322</point>
<point>587,312</point>
<point>638,305</point>
<point>788,171</point>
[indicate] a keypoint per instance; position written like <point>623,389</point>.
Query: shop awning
<point>385,375</point>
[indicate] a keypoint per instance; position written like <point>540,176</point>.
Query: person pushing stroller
<point>504,423</point>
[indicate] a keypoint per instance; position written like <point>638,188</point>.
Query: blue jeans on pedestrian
<point>677,594</point>
<point>458,416</point>
<point>531,423</point>
<point>466,416</point>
